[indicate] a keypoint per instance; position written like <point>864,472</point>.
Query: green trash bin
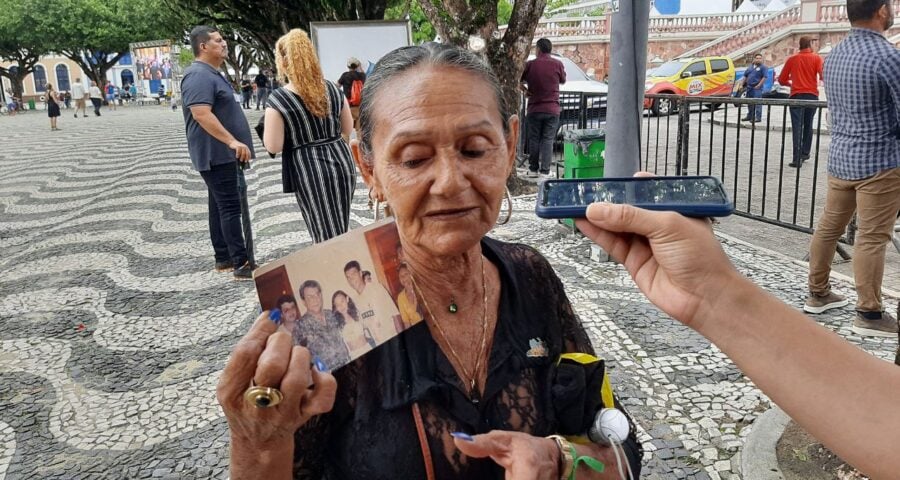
<point>583,153</point>
<point>31,105</point>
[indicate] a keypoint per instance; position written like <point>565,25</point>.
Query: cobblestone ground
<point>115,329</point>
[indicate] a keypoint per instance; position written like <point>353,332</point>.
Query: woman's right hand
<point>676,261</point>
<point>268,357</point>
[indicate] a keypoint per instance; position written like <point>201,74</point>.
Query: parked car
<point>579,84</point>
<point>702,77</point>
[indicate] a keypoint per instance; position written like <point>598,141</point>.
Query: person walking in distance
<point>52,106</point>
<point>246,92</point>
<point>96,98</point>
<point>78,94</point>
<point>218,138</point>
<point>861,77</point>
<point>754,79</point>
<point>262,89</point>
<point>352,82</point>
<point>111,95</point>
<point>541,80</point>
<point>802,71</point>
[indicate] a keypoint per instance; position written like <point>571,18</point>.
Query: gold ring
<point>263,397</point>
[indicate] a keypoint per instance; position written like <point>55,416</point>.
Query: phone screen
<point>636,191</point>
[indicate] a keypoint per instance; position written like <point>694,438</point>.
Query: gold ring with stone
<point>263,397</point>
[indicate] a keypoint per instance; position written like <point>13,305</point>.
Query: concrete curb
<point>758,458</point>
<point>761,126</point>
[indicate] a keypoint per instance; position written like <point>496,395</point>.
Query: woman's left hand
<point>524,457</point>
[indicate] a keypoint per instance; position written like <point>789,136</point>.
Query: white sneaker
<point>532,174</point>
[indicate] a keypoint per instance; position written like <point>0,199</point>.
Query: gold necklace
<point>473,375</point>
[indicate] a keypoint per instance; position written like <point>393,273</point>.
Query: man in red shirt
<point>543,75</point>
<point>802,71</point>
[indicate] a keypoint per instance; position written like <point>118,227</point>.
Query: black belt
<point>318,143</point>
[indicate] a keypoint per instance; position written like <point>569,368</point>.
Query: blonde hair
<point>297,62</point>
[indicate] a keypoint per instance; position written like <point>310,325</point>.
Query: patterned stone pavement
<point>114,329</point>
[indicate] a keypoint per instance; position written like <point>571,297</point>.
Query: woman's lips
<point>449,214</point>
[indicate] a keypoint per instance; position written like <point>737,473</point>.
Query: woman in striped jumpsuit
<point>308,120</point>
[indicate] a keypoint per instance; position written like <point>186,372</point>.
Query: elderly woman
<point>438,143</point>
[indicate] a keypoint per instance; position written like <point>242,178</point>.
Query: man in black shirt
<point>218,137</point>
<point>262,89</point>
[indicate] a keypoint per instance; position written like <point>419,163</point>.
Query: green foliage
<point>422,29</point>
<point>106,26</point>
<point>504,11</point>
<point>185,57</point>
<point>553,5</point>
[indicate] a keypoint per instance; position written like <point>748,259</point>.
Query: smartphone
<point>697,196</point>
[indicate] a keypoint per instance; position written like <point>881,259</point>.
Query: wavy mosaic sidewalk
<point>114,329</point>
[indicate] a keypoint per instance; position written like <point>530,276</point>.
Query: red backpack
<point>356,93</point>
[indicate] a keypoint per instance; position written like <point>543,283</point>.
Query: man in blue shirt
<point>218,138</point>
<point>754,79</point>
<point>861,79</point>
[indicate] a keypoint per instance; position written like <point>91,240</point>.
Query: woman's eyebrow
<point>419,133</point>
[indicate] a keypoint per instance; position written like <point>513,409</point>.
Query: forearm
<point>251,463</point>
<point>845,397</point>
<point>606,456</point>
<point>211,124</point>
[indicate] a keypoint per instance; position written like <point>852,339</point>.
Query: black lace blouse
<point>371,432</point>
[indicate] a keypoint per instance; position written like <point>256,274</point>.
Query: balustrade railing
<point>749,34</point>
<point>597,26</point>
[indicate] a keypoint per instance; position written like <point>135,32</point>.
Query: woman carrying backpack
<point>309,121</point>
<point>352,82</point>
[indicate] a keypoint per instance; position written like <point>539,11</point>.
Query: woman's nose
<point>450,175</point>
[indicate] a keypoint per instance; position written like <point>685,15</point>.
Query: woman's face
<point>439,157</point>
<point>340,303</point>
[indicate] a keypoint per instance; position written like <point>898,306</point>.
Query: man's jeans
<point>801,126</point>
<point>262,94</point>
<point>245,99</point>
<point>876,201</point>
<point>541,134</point>
<point>225,213</point>
<point>754,111</point>
<point>96,102</point>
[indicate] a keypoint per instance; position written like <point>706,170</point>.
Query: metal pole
<point>627,72</point>
<point>245,216</point>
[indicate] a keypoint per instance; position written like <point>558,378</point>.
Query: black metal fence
<point>708,136</point>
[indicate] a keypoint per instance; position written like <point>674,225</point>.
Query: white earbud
<point>610,425</point>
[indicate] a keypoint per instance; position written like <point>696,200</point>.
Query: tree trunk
<point>95,71</point>
<point>25,62</point>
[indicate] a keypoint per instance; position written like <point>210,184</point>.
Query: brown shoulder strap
<point>423,442</point>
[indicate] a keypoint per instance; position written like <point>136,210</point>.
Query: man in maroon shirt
<point>541,80</point>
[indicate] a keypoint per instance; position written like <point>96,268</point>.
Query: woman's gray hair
<point>406,58</point>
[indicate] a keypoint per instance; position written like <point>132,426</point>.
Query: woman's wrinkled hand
<point>268,357</point>
<point>524,457</point>
<point>676,261</point>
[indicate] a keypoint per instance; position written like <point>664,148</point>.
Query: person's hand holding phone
<point>676,261</point>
